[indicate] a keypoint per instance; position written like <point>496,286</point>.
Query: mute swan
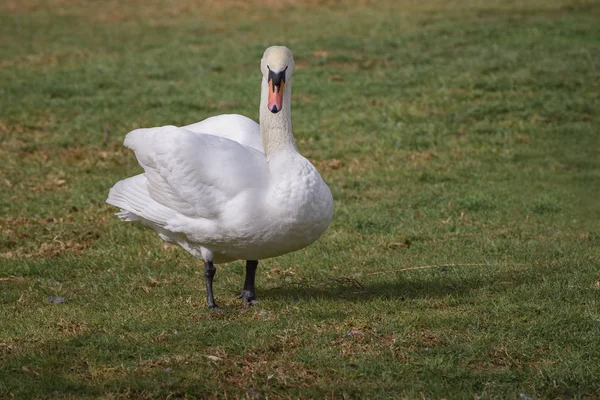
<point>226,189</point>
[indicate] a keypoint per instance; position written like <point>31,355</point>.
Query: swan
<point>226,188</point>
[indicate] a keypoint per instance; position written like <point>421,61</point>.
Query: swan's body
<point>224,203</point>
<point>225,188</point>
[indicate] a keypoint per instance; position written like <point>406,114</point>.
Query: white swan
<point>225,188</point>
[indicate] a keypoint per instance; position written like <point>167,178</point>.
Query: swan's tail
<point>132,197</point>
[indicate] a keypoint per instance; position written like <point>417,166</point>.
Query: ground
<point>459,139</point>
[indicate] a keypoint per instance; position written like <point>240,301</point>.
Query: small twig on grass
<point>443,266</point>
<point>12,279</point>
<point>429,266</point>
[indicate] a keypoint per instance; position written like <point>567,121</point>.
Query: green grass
<point>460,141</point>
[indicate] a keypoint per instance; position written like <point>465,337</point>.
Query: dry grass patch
<point>46,237</point>
<point>45,59</point>
<point>114,11</point>
<point>167,12</point>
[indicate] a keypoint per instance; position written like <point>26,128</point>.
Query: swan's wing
<point>231,126</point>
<point>195,175</point>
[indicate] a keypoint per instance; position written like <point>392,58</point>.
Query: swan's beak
<point>275,96</point>
<point>276,85</point>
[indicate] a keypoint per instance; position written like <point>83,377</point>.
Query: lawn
<point>460,140</point>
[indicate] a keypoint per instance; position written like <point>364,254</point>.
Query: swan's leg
<point>209,273</point>
<point>248,294</point>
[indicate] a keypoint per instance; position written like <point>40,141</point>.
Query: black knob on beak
<point>277,78</point>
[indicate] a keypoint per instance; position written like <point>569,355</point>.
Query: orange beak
<point>275,96</point>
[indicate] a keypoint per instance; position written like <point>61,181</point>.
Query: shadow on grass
<point>67,368</point>
<point>352,290</point>
<point>156,384</point>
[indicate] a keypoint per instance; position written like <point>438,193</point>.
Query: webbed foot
<point>248,297</point>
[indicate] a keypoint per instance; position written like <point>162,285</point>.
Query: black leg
<point>248,293</point>
<point>209,273</point>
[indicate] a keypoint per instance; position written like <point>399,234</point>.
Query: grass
<point>460,141</point>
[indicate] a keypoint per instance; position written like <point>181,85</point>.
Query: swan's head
<point>277,66</point>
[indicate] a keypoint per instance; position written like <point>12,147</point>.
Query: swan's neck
<point>276,129</point>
